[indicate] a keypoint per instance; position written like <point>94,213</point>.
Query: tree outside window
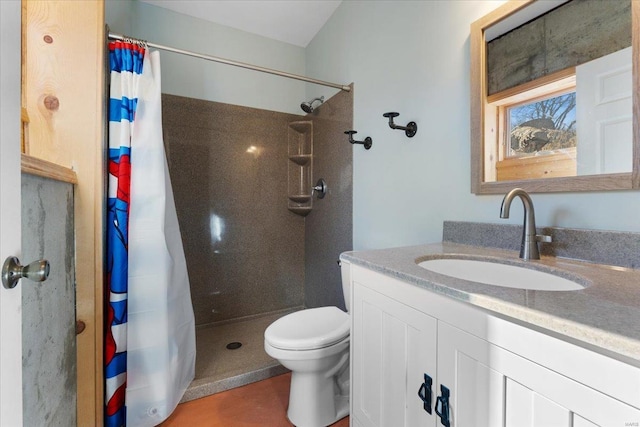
<point>542,126</point>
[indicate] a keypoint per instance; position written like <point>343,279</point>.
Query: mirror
<point>505,156</point>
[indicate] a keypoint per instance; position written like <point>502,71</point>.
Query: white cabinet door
<point>465,369</point>
<point>393,347</point>
<point>525,407</point>
<point>490,386</point>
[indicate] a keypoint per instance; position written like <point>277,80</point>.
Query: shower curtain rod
<point>234,63</point>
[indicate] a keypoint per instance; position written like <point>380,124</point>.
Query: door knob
<point>12,271</point>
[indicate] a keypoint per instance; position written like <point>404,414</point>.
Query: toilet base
<point>314,402</point>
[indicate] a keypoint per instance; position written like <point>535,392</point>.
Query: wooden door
<point>604,114</point>
<point>10,240</point>
<point>63,92</point>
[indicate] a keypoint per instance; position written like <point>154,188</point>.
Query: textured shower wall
<point>244,249</point>
<point>329,226</point>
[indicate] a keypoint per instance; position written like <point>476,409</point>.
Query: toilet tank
<point>345,270</point>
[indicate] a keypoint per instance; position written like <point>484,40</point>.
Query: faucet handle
<point>543,238</point>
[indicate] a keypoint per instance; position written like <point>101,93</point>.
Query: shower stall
<point>250,258</point>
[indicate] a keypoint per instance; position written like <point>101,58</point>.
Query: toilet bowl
<point>314,344</point>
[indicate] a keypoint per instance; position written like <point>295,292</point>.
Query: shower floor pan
<point>219,369</point>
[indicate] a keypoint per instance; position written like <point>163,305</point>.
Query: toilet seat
<point>309,329</point>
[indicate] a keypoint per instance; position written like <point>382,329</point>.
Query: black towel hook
<point>368,142</point>
<point>410,129</point>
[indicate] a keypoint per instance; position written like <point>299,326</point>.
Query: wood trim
<point>477,89</point>
<point>620,181</point>
<point>635,43</point>
<point>64,96</point>
<point>558,164</point>
<point>561,80</point>
<point>45,169</point>
<point>24,130</point>
<point>479,84</point>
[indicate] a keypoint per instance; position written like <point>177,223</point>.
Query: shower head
<point>307,107</point>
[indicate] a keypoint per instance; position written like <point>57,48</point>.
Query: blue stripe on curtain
<point>117,366</point>
<point>122,109</point>
<point>120,311</point>
<point>126,57</point>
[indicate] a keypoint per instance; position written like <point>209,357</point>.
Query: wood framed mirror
<point>537,166</point>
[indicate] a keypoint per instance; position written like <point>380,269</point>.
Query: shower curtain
<point>150,331</point>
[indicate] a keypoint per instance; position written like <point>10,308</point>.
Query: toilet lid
<point>309,329</point>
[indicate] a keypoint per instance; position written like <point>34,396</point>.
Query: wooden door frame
<point>63,63</point>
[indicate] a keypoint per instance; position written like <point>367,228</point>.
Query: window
<point>541,126</point>
<point>531,130</point>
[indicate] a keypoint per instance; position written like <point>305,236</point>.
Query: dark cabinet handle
<point>443,402</point>
<point>424,393</point>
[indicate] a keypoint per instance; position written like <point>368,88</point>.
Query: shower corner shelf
<point>300,159</point>
<point>300,148</point>
<point>300,198</point>
<point>300,210</point>
<point>302,126</point>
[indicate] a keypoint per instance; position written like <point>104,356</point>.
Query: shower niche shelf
<point>300,159</point>
<point>300,146</point>
<point>300,198</point>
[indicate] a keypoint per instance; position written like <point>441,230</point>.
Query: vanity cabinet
<point>393,348</point>
<point>496,372</point>
<point>490,386</point>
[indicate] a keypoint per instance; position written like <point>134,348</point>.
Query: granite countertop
<point>605,315</point>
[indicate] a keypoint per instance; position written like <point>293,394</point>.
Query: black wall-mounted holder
<point>410,129</point>
<point>368,142</point>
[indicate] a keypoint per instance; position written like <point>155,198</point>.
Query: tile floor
<point>219,369</point>
<point>236,388</point>
<point>262,404</point>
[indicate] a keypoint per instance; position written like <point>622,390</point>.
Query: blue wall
<point>413,57</point>
<point>405,56</point>
<point>196,78</point>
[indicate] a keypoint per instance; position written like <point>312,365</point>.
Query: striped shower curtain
<point>150,330</point>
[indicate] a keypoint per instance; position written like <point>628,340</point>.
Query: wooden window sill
<point>559,164</point>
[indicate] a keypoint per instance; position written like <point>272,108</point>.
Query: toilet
<point>314,344</point>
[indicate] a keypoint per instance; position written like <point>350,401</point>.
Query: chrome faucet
<point>529,245</point>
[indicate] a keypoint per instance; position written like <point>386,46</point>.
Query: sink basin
<point>497,274</point>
